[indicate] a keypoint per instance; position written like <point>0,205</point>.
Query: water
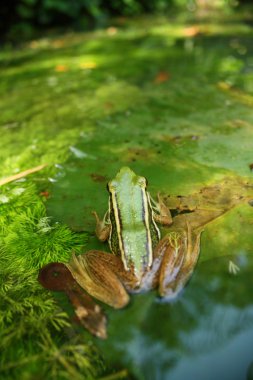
<point>206,334</point>
<point>180,113</point>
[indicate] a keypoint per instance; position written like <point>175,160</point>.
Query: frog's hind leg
<point>178,263</point>
<point>97,273</point>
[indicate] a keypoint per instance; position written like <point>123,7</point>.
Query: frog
<point>139,259</point>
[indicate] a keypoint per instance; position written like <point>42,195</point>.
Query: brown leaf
<point>161,77</point>
<point>209,203</point>
<point>45,194</point>
<point>111,31</point>
<point>61,68</point>
<point>191,31</point>
<point>59,43</point>
<point>98,177</point>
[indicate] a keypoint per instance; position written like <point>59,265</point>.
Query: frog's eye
<point>142,182</point>
<point>111,185</point>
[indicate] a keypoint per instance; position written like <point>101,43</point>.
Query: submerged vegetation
<point>35,333</point>
<point>151,93</point>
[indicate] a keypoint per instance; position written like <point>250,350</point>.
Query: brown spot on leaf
<point>161,77</point>
<point>191,31</point>
<point>61,68</point>
<point>45,194</point>
<point>58,44</point>
<point>111,31</point>
<point>98,178</point>
<point>137,153</point>
<point>108,106</point>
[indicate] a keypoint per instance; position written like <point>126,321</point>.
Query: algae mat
<point>173,101</point>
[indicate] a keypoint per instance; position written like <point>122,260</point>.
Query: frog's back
<point>132,224</point>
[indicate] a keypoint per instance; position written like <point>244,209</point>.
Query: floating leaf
<point>210,202</point>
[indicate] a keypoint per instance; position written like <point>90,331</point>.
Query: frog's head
<point>126,178</point>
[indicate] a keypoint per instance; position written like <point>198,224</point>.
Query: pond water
<point>206,334</point>
<point>173,100</point>
<point>185,122</point>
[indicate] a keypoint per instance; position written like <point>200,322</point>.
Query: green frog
<point>140,259</point>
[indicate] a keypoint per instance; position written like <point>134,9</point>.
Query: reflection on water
<point>206,334</point>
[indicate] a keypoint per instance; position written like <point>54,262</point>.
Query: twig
<point>116,376</point>
<point>21,174</point>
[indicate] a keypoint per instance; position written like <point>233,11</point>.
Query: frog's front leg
<point>102,275</point>
<point>161,212</point>
<point>181,253</point>
<point>102,227</point>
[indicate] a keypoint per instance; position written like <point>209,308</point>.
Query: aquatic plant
<point>35,334</point>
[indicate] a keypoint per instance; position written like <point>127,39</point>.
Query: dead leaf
<point>162,77</point>
<point>111,31</point>
<point>57,44</point>
<point>97,177</point>
<point>45,194</point>
<point>61,68</point>
<point>108,105</point>
<point>209,203</point>
<point>191,31</point>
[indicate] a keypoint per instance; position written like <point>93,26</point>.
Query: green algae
<point>87,104</point>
